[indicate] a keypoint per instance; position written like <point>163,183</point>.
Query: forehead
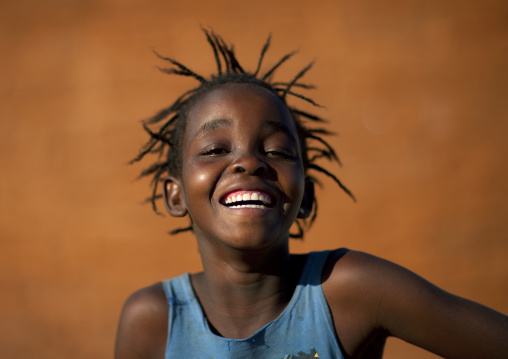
<point>246,104</point>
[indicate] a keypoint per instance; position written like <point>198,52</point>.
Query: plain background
<point>416,90</point>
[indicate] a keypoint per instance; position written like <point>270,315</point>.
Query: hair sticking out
<point>166,128</point>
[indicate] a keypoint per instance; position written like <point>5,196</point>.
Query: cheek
<point>293,183</point>
<point>198,179</point>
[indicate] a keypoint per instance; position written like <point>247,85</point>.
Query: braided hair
<point>167,127</point>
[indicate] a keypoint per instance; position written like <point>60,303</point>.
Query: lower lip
<point>248,211</point>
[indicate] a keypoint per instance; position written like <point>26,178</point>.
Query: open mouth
<point>247,199</point>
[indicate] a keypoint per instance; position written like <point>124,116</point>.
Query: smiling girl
<point>237,162</point>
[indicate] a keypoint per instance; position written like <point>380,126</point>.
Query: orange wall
<point>416,90</point>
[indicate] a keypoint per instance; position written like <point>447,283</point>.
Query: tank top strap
<point>178,291</point>
<point>180,297</point>
<point>313,268</point>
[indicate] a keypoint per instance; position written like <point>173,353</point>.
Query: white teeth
<point>265,198</point>
<point>247,206</point>
<point>253,196</point>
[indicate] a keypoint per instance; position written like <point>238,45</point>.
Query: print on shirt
<point>302,355</point>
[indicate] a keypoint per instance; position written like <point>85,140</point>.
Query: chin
<point>252,240</point>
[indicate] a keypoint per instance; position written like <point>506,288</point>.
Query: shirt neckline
<point>304,279</point>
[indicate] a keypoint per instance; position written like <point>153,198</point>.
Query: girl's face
<point>242,176</point>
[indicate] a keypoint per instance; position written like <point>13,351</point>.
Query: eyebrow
<point>222,122</point>
<point>279,127</point>
<point>213,125</point>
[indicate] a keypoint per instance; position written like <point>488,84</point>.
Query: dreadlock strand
<point>281,61</point>
<point>152,169</point>
<point>180,230</point>
<point>147,147</point>
<point>159,150</point>
<point>305,98</point>
<point>162,114</point>
<point>181,73</point>
<point>328,147</point>
<point>234,62</point>
<point>155,182</point>
<point>298,235</point>
<point>297,77</point>
<point>308,115</point>
<point>177,104</point>
<point>157,136</point>
<point>221,45</point>
<point>154,140</point>
<point>215,53</point>
<point>314,212</point>
<point>229,55</point>
<point>180,66</point>
<point>296,84</point>
<point>321,131</point>
<point>165,128</point>
<point>262,55</point>
<point>149,199</point>
<point>320,154</point>
<point>332,176</point>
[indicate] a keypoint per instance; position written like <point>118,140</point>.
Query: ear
<point>171,192</point>
<point>307,200</point>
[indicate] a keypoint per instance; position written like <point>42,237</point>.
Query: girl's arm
<point>142,330</point>
<point>378,298</point>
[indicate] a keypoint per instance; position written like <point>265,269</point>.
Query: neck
<point>241,290</point>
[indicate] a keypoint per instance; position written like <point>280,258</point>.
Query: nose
<point>249,164</point>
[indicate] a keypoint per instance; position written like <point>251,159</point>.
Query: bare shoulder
<point>358,272</point>
<point>375,298</point>
<point>349,280</point>
<point>142,330</point>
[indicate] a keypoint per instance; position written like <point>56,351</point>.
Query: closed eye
<point>280,154</point>
<point>213,151</point>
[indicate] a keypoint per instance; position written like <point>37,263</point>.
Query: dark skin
<point>241,137</point>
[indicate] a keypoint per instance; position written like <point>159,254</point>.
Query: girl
<point>237,159</point>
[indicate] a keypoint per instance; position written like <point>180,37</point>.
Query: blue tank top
<point>303,330</point>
